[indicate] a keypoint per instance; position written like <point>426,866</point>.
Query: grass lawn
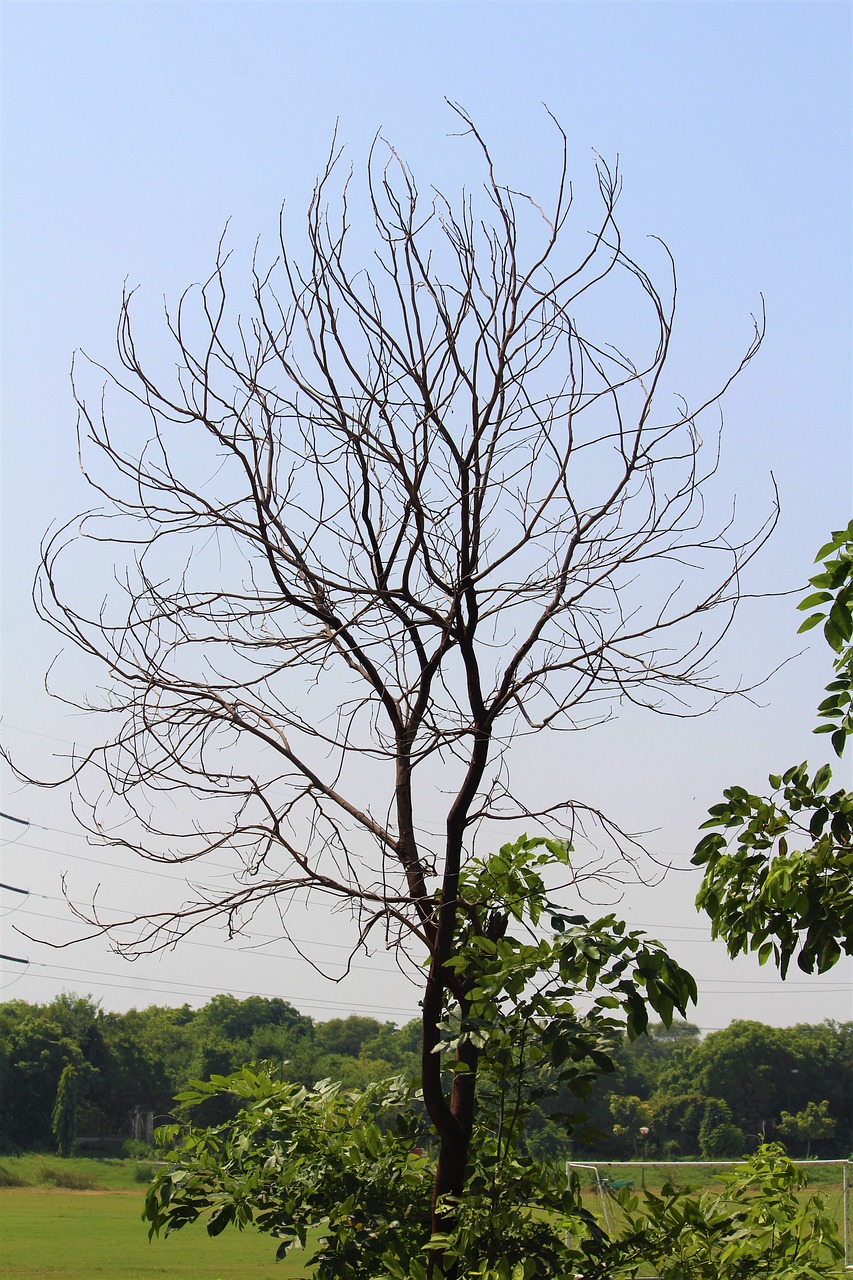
<point>78,1235</point>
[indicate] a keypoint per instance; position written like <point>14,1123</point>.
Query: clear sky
<point>133,131</point>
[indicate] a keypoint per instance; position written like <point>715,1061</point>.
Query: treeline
<point>139,1060</point>
<point>718,1096</point>
<point>673,1093</point>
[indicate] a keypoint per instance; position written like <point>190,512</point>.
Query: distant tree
<point>630,1117</point>
<point>64,1117</point>
<point>37,1053</point>
<point>675,1120</point>
<point>238,1019</point>
<point>812,1124</point>
<point>139,1073</point>
<point>154,1048</point>
<point>345,1035</point>
<point>643,1062</point>
<point>405,511</point>
<point>825,1071</point>
<point>719,1137</point>
<point>399,1046</point>
<point>353,1073</point>
<point>752,1067</point>
<point>759,1071</point>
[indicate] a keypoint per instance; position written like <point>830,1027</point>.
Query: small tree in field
<point>395,516</point>
<point>812,1124</point>
<point>64,1119</point>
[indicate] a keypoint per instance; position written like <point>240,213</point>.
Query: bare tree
<point>376,526</point>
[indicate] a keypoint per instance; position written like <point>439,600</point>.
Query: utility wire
<point>156,986</point>
<point>768,984</point>
<point>376,968</point>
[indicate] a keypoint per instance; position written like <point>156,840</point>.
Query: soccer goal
<point>600,1183</point>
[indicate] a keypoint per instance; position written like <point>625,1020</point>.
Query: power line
<point>23,821</point>
<point>246,950</point>
<point>716,986</point>
<point>156,986</point>
<point>221,866</point>
<point>100,862</point>
<point>297,1002</point>
<point>769,984</point>
<point>163,868</point>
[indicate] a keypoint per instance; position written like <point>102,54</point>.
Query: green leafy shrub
<point>784,886</point>
<point>351,1166</point>
<point>760,1225</point>
<point>133,1149</point>
<point>295,1158</point>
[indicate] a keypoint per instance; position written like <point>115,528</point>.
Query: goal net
<point>601,1184</point>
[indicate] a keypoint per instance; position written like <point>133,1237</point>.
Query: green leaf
<point>707,847</point>
<point>219,1221</point>
<point>834,637</point>
<point>816,598</point>
<point>841,619</point>
<point>829,548</point>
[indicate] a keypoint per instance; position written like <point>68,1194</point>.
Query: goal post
<point>602,1180</point>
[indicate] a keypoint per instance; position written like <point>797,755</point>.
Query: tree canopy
<point>143,1058</point>
<point>364,531</point>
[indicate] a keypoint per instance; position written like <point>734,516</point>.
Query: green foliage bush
<point>349,1168</point>
<point>295,1158</point>
<point>134,1149</point>
<point>784,887</point>
<point>760,1225</point>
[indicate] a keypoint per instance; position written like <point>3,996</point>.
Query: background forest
<point>712,1096</point>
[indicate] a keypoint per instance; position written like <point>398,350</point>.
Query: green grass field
<point>50,1232</point>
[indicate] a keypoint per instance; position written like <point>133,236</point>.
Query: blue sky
<point>133,131</point>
